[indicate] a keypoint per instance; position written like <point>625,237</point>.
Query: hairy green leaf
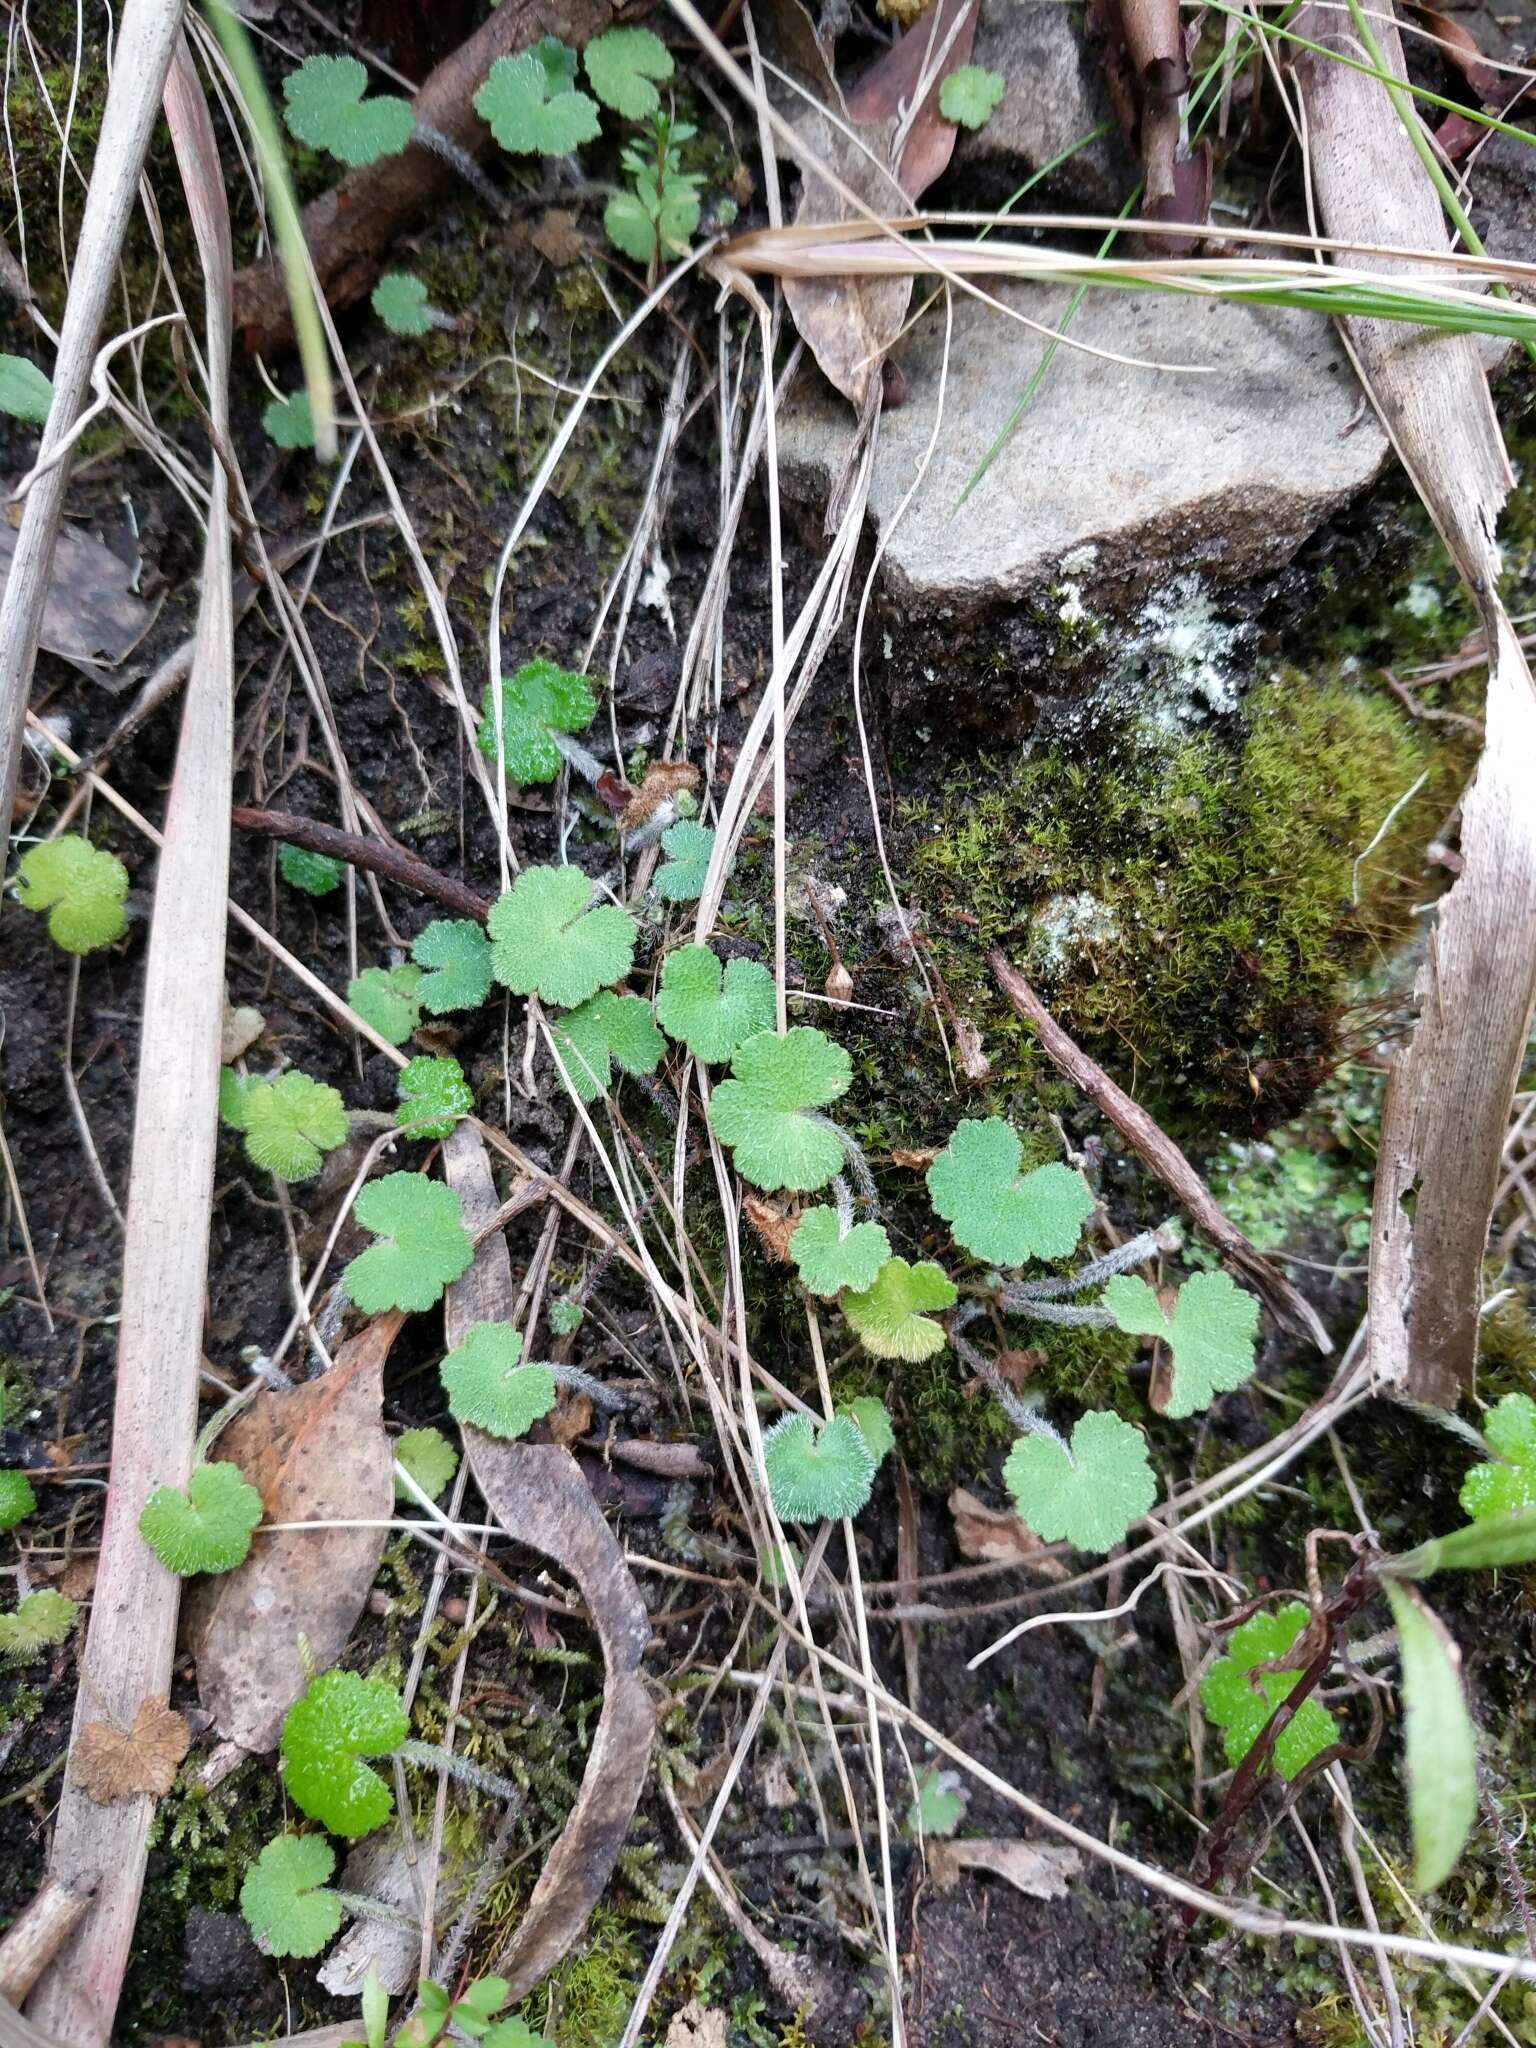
<point>817,1473</point>
<point>433,1096</point>
<point>564,1315</point>
<point>289,1123</point>
<point>621,63</point>
<point>17,1500</point>
<point>488,1385</point>
<point>713,1010</point>
<point>235,1092</point>
<point>544,938</point>
<point>996,1213</point>
<point>325,108</point>
<point>289,421</point>
<point>337,1721</point>
<point>429,1458</point>
<point>1240,1698</point>
<point>607,1031</point>
<point>970,95</point>
<point>1506,1488</point>
<point>688,846</point>
<point>766,1112</point>
<point>400,300</point>
<point>25,391</point>
<point>938,1806</point>
<point>542,698</point>
<point>888,1316</point>
<point>208,1527</point>
<point>82,888</point>
<point>829,1259</point>
<point>40,1621</point>
<point>285,1899</point>
<point>532,113</point>
<point>422,1244</point>
<point>1089,1494</point>
<point>388,998</point>
<point>1211,1333</point>
<point>316,874</point>
<point>874,1421</point>
<point>459,954</point>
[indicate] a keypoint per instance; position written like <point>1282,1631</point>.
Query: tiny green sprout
<point>997,1214</point>
<point>815,1474</point>
<point>888,1316</point>
<point>235,1092</point>
<point>565,1316</point>
<point>938,1806</point>
<point>325,109</point>
<point>688,846</point>
<point>286,1899</point>
<point>488,1385</point>
<point>208,1527</point>
<point>1210,1333</point>
<point>375,2004</point>
<point>40,1621</point>
<point>400,300</point>
<point>289,422</point>
<point>1241,1699</point>
<point>17,1500</point>
<point>621,63</point>
<point>338,1720</point>
<point>515,2032</point>
<point>1508,1487</point>
<point>659,210</point>
<point>289,1123</point>
<point>429,1458</point>
<point>316,874</point>
<point>1087,1495</point>
<point>607,1031</point>
<point>545,939</point>
<point>829,1257</point>
<point>539,701</point>
<point>389,999</point>
<point>433,1096</point>
<point>459,955</point>
<point>874,1421</point>
<point>766,1112</point>
<point>82,888</point>
<point>25,392</point>
<point>531,106</point>
<point>970,95</point>
<point>477,2006</point>
<point>711,1009</point>
<point>422,1244</point>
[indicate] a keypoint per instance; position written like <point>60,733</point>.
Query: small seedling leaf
<point>41,1620</point>
<point>888,1315</point>
<point>874,1421</point>
<point>459,954</point>
<point>208,1527</point>
<point>479,2004</point>
<point>339,1720</point>
<point>235,1092</point>
<point>1510,1487</point>
<point>643,223</point>
<point>540,699</point>
<point>939,1804</point>
<point>388,998</point>
<point>532,113</point>
<point>316,874</point>
<point>544,938</point>
<point>289,421</point>
<point>1439,1740</point>
<point>688,846</point>
<point>488,1385</point>
<point>422,1244</point>
<point>433,1096</point>
<point>1240,1699</point>
<point>429,1458</point>
<point>817,1473</point>
<point>515,2033</point>
<point>607,1031</point>
<point>999,1216</point>
<point>565,1316</point>
<point>828,1259</point>
<point>375,2003</point>
<point>713,1010</point>
<point>621,63</point>
<point>765,1112</point>
<point>1211,1333</point>
<point>82,888</point>
<point>25,392</point>
<point>325,108</point>
<point>1087,1497</point>
<point>285,1899</point>
<point>629,227</point>
<point>400,300</point>
<point>17,1500</point>
<point>970,95</point>
<point>289,1123</point>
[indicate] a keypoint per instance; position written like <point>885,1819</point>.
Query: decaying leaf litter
<point>568,1733</point>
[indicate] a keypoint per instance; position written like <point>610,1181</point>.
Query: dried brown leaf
<point>108,1764</point>
<point>774,1223</point>
<point>558,238</point>
<point>318,1454</point>
<point>988,1536</point>
<point>92,616</point>
<point>240,1031</point>
<point>885,91</point>
<point>1040,1870</point>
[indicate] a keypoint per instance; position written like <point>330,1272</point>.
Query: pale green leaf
<point>939,1804</point>
<point>41,1620</point>
<point>82,888</point>
<point>1240,1699</point>
<point>540,699</point>
<point>630,228</point>
<point>289,1123</point>
<point>1211,1333</point>
<point>969,96</point>
<point>488,1385</point>
<point>607,1031</point>
<point>429,1458</point>
<point>389,999</point>
<point>997,1214</point>
<point>422,1244</point>
<point>1507,1487</point>
<point>459,954</point>
<point>400,300</point>
<point>336,1722</point>
<point>815,1473</point>
<point>289,421</point>
<point>828,1259</point>
<point>285,1898</point>
<point>531,113</point>
<point>874,1421</point>
<point>713,1010</point>
<point>17,1500</point>
<point>1439,1740</point>
<point>1087,1495</point>
<point>888,1316</point>
<point>515,2033</point>
<point>325,108</point>
<point>767,1111</point>
<point>688,846</point>
<point>622,63</point>
<point>25,391</point>
<point>433,1096</point>
<point>208,1527</point>
<point>544,938</point>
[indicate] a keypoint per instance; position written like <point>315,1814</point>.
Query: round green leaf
<point>422,1244</point>
<point>622,63</point>
<point>400,300</point>
<point>17,1500</point>
<point>329,1729</point>
<point>888,1315</point>
<point>814,1473</point>
<point>81,886</point>
<point>970,95</point>
<point>1240,1699</point>
<point>433,1096</point>
<point>289,1123</point>
<point>429,1458</point>
<point>1001,1217</point>
<point>316,874</point>
<point>540,699</point>
<point>828,1260</point>
<point>459,954</point>
<point>388,999</point>
<point>487,1384</point>
<point>1089,1495</point>
<point>208,1527</point>
<point>544,938</point>
<point>766,1111</point>
<point>532,112</point>
<point>284,1897</point>
<point>710,1009</point>
<point>325,108</point>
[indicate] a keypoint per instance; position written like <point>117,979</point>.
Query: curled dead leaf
<point>774,1223</point>
<point>987,1536</point>
<point>108,1763</point>
<point>1040,1870</point>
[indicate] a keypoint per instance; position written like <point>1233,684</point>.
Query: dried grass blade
<point>1449,1092</point>
<point>131,1641</point>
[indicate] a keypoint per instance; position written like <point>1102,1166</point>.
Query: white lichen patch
<point>1068,927</point>
<point>1191,654</point>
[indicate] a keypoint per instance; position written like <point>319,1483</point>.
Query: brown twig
<point>379,856</point>
<point>1160,1153</point>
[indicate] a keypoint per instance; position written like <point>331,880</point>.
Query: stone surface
<point>1056,96</point>
<point>1117,478</point>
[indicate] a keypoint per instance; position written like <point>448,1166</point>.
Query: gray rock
<point>220,1954</point>
<point>1056,95</point>
<point>1117,479</point>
